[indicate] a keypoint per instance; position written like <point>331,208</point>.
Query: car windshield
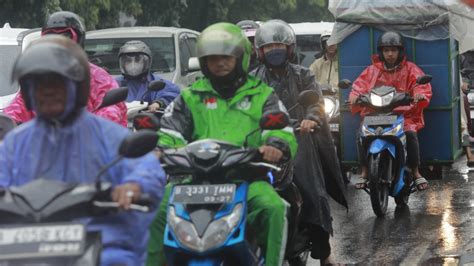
<point>308,48</point>
<point>104,53</point>
<point>8,55</point>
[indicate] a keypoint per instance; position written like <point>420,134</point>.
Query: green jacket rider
<point>227,105</point>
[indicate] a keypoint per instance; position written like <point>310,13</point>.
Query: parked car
<point>171,47</point>
<point>308,45</point>
<point>12,42</point>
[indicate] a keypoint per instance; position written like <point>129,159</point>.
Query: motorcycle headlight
<point>329,107</point>
<point>379,101</point>
<point>215,235</point>
<point>394,130</point>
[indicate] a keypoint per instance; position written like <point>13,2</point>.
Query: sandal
<point>421,183</point>
<point>361,183</point>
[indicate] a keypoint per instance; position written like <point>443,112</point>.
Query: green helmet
<point>224,39</point>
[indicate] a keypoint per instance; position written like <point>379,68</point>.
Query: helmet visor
<point>274,33</point>
<point>66,32</point>
<point>134,64</point>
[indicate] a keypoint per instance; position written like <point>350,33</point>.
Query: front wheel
<point>379,185</point>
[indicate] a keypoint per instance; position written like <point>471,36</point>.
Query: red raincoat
<point>101,82</point>
<point>403,78</point>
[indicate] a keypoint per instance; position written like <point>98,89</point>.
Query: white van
<point>308,46</point>
<point>12,42</point>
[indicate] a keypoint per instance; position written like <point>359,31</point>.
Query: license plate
<point>42,241</point>
<point>380,120</point>
<point>204,194</point>
<point>334,127</point>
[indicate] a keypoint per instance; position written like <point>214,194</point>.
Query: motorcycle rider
<point>317,168</point>
<point>213,107</point>
<point>135,59</point>
<point>467,75</point>
<point>390,67</point>
<point>69,24</point>
<point>325,68</point>
<point>65,142</point>
<point>250,27</point>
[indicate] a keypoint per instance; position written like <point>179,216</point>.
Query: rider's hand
<point>125,194</point>
<point>154,107</point>
<point>307,126</point>
<point>418,97</point>
<point>270,154</point>
<point>353,98</point>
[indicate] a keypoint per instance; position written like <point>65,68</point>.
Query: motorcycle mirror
<point>308,97</point>
<point>146,121</point>
<point>114,96</point>
<point>193,64</point>
<point>344,84</point>
<point>6,124</point>
<point>274,120</point>
<point>424,79</point>
<point>138,143</point>
<point>156,85</point>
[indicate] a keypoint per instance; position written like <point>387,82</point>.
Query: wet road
<point>435,229</point>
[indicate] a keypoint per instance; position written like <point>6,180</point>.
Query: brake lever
<point>110,204</point>
<point>271,166</point>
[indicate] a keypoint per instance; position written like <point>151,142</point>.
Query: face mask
<point>275,57</point>
<point>133,65</point>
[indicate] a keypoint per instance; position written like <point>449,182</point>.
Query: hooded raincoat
<point>317,170</point>
<point>101,82</point>
<point>75,153</point>
<point>137,90</point>
<point>403,78</point>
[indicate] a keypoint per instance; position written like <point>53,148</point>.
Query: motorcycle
<point>138,116</point>
<point>38,220</point>
<point>384,143</point>
<point>206,218</point>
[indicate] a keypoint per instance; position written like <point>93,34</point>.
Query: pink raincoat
<point>403,78</point>
<point>101,82</point>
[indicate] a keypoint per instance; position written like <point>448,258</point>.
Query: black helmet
<point>275,31</point>
<point>391,39</point>
<point>58,55</point>
<point>65,23</point>
<point>135,59</point>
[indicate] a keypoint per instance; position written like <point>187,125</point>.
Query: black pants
<point>413,150</point>
<point>320,246</point>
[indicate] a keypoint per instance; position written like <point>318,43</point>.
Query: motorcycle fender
<point>400,184</point>
<point>379,145</point>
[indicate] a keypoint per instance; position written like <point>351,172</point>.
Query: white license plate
<point>42,240</point>
<point>334,127</point>
<point>204,194</point>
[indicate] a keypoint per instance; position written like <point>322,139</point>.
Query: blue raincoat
<point>137,88</point>
<point>76,153</point>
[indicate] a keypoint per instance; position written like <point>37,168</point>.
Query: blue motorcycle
<point>384,143</point>
<point>206,215</point>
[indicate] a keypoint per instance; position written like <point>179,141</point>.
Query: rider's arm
<point>314,112</point>
<point>282,139</point>
<point>147,172</point>
<point>176,124</point>
<point>424,89</point>
<point>101,83</point>
<point>167,95</point>
<point>6,164</point>
<point>17,110</point>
